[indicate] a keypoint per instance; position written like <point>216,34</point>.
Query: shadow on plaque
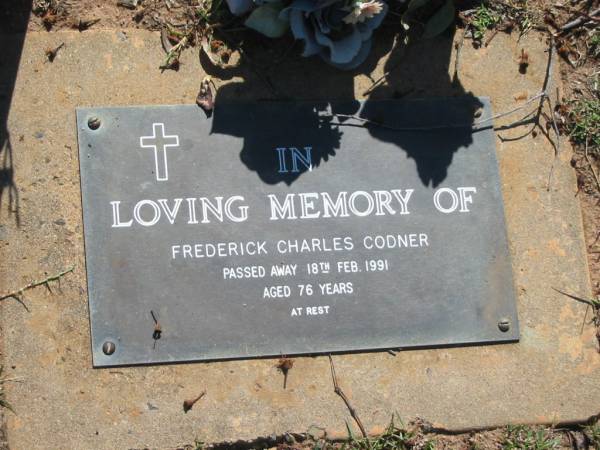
<point>417,71</point>
<point>13,23</point>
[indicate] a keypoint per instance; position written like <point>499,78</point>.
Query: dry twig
<point>546,98</point>
<point>18,294</point>
<point>474,126</point>
<point>339,392</point>
<point>581,20</point>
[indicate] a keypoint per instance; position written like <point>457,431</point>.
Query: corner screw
<point>504,324</point>
<point>94,123</point>
<point>108,348</point>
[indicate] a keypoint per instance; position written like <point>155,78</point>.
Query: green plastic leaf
<point>440,21</point>
<point>413,5</point>
<point>416,4</point>
<point>265,19</point>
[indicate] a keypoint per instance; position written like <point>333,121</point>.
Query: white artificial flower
<point>363,11</point>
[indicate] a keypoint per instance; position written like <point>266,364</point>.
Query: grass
<point>584,122</point>
<point>394,438</point>
<point>528,438</point>
<point>484,19</point>
<point>593,434</point>
<point>503,16</point>
<point>594,45</point>
<point>3,402</point>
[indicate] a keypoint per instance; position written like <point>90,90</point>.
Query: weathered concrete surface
<point>550,376</point>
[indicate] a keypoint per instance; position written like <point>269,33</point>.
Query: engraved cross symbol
<point>159,141</point>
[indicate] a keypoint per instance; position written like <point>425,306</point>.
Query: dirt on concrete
<point>63,388</point>
<point>590,205</point>
<point>580,61</point>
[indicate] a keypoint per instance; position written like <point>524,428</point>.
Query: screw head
<point>504,324</point>
<point>94,123</point>
<point>109,348</point>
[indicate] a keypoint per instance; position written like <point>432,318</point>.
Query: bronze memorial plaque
<point>276,228</point>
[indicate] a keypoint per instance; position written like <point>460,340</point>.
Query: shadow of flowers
<point>324,101</point>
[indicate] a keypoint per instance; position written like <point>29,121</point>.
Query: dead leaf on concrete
<point>52,52</point>
<point>205,98</point>
<point>218,53</point>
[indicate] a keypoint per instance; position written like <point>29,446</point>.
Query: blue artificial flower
<point>239,7</point>
<point>339,33</point>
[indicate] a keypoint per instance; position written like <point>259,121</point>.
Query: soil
<point>149,14</point>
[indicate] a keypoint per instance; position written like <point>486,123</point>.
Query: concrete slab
<point>550,376</point>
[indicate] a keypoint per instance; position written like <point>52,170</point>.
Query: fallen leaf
<point>205,99</point>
